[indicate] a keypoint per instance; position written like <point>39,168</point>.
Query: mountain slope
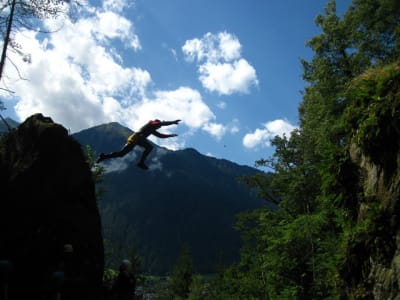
<point>185,198</point>
<point>10,122</point>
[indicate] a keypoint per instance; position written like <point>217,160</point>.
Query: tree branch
<point>7,38</point>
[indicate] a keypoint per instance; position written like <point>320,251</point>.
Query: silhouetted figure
<point>125,284</point>
<point>140,138</point>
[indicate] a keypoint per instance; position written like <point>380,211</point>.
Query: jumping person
<point>140,138</point>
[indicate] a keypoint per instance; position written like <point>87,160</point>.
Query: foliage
<point>311,246</point>
<point>181,278</point>
<point>97,170</point>
<point>373,116</point>
<point>197,289</point>
<point>109,275</point>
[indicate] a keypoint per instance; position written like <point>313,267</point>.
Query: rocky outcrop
<point>379,211</point>
<point>373,249</point>
<point>49,221</point>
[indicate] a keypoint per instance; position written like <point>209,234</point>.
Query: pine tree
<point>182,275</point>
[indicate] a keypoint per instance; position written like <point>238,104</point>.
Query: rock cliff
<point>49,220</point>
<point>372,268</point>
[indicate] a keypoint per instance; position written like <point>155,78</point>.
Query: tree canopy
<point>299,250</point>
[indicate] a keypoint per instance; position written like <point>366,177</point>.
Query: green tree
<point>97,170</point>
<point>197,291</point>
<point>296,251</point>
<point>182,275</point>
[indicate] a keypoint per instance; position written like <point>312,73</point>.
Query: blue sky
<point>229,69</point>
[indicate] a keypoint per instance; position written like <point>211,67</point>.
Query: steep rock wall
<point>373,251</point>
<point>379,206</point>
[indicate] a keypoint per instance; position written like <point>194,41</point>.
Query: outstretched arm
<point>167,123</point>
<point>163,135</point>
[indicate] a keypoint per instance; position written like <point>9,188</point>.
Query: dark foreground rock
<point>50,229</point>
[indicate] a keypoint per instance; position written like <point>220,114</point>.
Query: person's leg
<point>127,148</point>
<point>147,149</point>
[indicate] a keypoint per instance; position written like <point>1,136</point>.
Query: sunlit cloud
<point>79,80</point>
<point>221,67</point>
<point>72,76</point>
<point>262,136</point>
<point>78,77</point>
<point>216,130</point>
<point>117,5</point>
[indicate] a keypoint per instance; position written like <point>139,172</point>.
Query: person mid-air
<point>140,138</point>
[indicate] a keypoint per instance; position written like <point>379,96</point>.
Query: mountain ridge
<point>5,122</point>
<point>185,198</point>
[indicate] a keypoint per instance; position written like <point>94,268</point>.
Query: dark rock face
<point>48,201</point>
<point>378,253</point>
<point>372,262</point>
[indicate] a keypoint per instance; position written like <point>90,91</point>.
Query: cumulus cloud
<point>116,5</point>
<point>234,126</point>
<point>78,78</point>
<point>227,78</point>
<point>185,104</point>
<point>73,75</point>
<point>216,130</point>
<point>262,136</point>
<point>111,25</point>
<point>221,67</point>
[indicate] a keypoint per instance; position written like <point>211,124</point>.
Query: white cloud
<point>193,49</point>
<point>227,78</point>
<point>213,48</point>
<point>269,131</point>
<point>215,129</point>
<point>221,105</point>
<point>74,75</point>
<point>110,25</point>
<point>116,5</point>
<point>221,67</point>
<point>183,103</point>
<point>234,126</point>
<point>120,164</point>
<point>78,78</point>
<point>229,46</point>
